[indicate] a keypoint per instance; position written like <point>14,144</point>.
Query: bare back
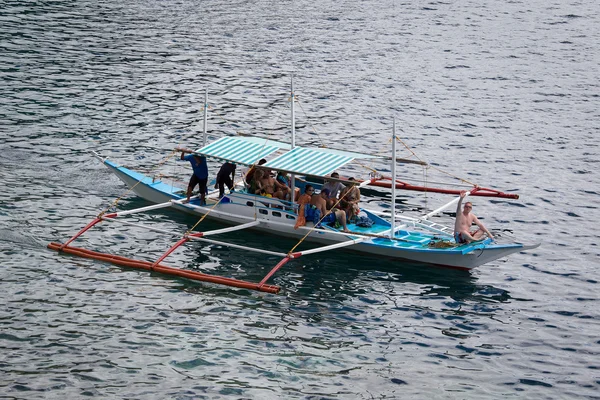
<point>320,203</point>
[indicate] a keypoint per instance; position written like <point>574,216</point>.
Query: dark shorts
<point>458,238</point>
<point>329,218</point>
<point>194,180</point>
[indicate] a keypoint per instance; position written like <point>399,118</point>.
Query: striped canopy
<point>241,150</point>
<point>316,162</point>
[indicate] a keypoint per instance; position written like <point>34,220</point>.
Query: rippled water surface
<point>502,94</point>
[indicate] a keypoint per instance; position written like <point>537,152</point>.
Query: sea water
<point>499,94</point>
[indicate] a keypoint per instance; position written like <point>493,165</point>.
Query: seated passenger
<point>255,183</point>
<point>269,187</point>
<point>349,199</point>
<point>303,200</point>
<point>249,178</point>
<point>284,179</point>
<point>320,202</point>
<point>335,188</point>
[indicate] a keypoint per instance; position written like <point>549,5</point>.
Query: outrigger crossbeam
<point>157,266</point>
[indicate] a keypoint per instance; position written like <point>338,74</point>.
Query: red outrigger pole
<point>478,191</point>
<point>157,266</point>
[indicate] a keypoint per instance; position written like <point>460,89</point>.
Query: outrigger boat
<point>402,238</point>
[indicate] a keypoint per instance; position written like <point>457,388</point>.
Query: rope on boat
<point>322,218</point>
<point>323,145</point>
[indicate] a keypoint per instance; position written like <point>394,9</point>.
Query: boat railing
<point>259,201</point>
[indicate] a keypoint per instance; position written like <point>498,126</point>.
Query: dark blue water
<point>502,94</point>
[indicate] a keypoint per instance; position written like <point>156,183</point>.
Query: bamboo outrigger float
<point>400,237</point>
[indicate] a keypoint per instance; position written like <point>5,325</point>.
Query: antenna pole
<point>205,117</point>
<point>393,221</point>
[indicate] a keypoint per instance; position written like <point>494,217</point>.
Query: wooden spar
<point>336,245</point>
<point>171,249</point>
<point>172,233</point>
<point>198,235</point>
<point>442,208</point>
<point>131,263</point>
<point>141,209</point>
<point>481,191</point>
<point>275,268</point>
<point>237,246</point>
<point>81,232</point>
<point>230,229</point>
<point>429,215</point>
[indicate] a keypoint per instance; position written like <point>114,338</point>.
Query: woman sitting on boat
<point>249,178</point>
<point>303,200</point>
<point>349,199</point>
<point>269,187</point>
<point>284,179</point>
<point>256,182</point>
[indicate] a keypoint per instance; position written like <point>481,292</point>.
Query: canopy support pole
<point>293,112</point>
<point>393,205</point>
<point>205,118</point>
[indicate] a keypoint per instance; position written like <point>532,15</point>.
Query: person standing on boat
<point>200,175</point>
<point>225,176</point>
<point>464,220</point>
<point>335,187</point>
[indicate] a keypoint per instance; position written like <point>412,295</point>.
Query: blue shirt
<point>200,168</point>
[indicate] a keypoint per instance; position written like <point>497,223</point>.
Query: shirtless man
<point>320,202</point>
<point>464,220</point>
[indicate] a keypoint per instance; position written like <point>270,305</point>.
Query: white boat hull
<point>239,208</point>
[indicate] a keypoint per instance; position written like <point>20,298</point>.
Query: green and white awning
<point>241,150</point>
<point>316,162</point>
<point>245,150</point>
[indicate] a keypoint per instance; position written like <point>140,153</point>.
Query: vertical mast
<point>293,97</point>
<point>205,117</point>
<point>393,221</point>
<point>293,177</point>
